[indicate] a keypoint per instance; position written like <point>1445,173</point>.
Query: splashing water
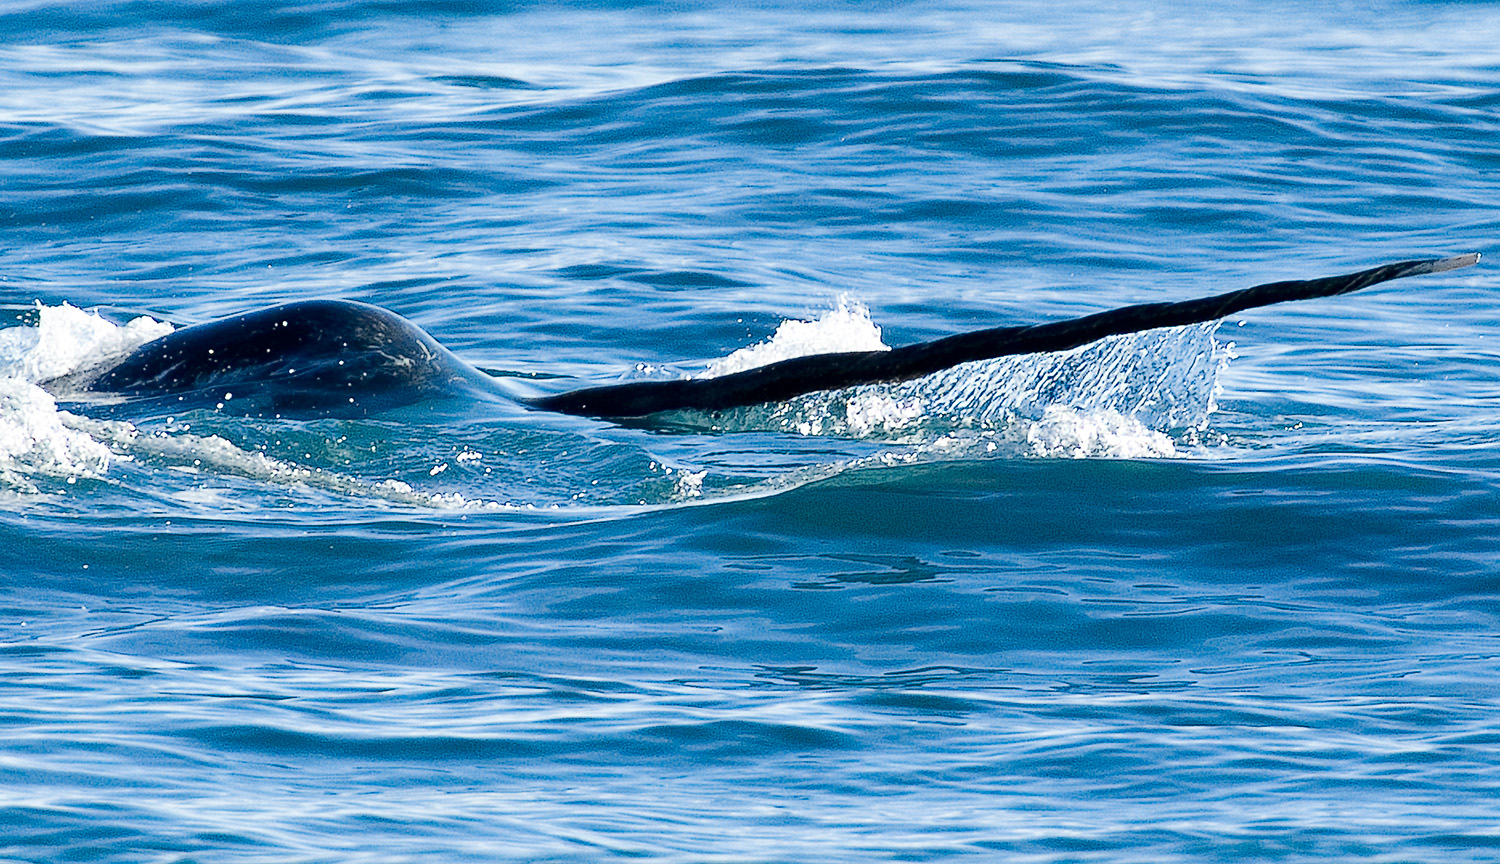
<point>67,340</point>
<point>1134,396</point>
<point>1124,396</point>
<point>37,439</point>
<point>846,328</point>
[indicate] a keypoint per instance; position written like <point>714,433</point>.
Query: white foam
<point>68,340</point>
<point>36,439</point>
<point>1069,433</point>
<point>847,327</point>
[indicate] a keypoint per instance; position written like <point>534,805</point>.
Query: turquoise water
<point>1219,593</point>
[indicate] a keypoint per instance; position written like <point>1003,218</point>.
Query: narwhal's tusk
<point>788,378</point>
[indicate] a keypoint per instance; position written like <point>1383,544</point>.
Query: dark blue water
<point>1165,599</point>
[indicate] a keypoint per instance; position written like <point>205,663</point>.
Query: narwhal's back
<point>311,358</point>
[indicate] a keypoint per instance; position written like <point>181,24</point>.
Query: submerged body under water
<point>1165,597</point>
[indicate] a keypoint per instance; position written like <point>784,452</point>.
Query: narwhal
<point>338,358</point>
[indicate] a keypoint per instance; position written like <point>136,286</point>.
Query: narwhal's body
<point>316,358</point>
<point>338,358</point>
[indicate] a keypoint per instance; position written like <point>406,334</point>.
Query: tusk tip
<point>1444,264</point>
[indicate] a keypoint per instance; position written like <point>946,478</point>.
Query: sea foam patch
<point>36,438</point>
<point>847,327</point>
<point>67,340</point>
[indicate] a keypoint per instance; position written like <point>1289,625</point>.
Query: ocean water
<point>1220,593</point>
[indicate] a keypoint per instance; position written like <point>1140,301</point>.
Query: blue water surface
<point>1191,603</point>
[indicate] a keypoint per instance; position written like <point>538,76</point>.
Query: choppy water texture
<point>1207,594</point>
